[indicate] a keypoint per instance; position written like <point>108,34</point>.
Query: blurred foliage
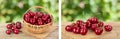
<point>105,10</point>
<point>13,10</point>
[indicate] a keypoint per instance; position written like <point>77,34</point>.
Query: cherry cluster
<point>37,18</point>
<point>13,27</point>
<point>93,24</point>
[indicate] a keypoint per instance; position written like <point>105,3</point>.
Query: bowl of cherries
<point>37,21</point>
<point>93,24</point>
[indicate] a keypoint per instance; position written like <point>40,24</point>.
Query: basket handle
<point>39,7</point>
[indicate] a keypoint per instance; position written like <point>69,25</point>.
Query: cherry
<point>74,25</point>
<point>32,20</point>
<point>8,31</point>
<point>27,15</point>
<point>77,31</point>
<point>88,24</point>
<point>31,14</point>
<point>93,20</point>
<point>9,26</point>
<point>93,26</point>
<point>79,22</point>
<point>48,21</point>
<point>100,24</point>
<point>18,25</point>
<point>98,31</point>
<point>108,28</point>
<point>16,31</point>
<point>83,26</point>
<point>83,31</point>
<point>40,22</point>
<point>14,27</point>
<point>68,28</point>
<point>35,17</point>
<point>74,29</point>
<point>45,17</point>
<point>40,14</point>
<point>27,19</point>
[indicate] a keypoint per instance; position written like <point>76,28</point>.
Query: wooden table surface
<point>114,34</point>
<point>3,35</point>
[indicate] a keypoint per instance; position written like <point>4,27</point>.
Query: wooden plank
<point>21,35</point>
<point>114,34</point>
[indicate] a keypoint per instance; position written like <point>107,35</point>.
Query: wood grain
<point>114,34</point>
<point>21,35</point>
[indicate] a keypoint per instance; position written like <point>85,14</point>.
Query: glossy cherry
<point>16,31</point>
<point>8,31</point>
<point>9,26</point>
<point>98,31</point>
<point>68,28</point>
<point>94,26</point>
<point>108,28</point>
<point>83,31</point>
<point>100,24</point>
<point>18,25</point>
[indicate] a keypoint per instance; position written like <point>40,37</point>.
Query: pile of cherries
<point>13,27</point>
<point>93,24</point>
<point>37,18</point>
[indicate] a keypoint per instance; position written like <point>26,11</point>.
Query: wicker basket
<point>38,28</point>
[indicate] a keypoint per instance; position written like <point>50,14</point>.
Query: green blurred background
<point>13,10</point>
<point>105,10</point>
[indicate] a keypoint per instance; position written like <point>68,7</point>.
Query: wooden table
<point>3,35</point>
<point>114,34</point>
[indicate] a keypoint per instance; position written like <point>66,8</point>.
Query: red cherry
<point>35,17</point>
<point>108,28</point>
<point>16,31</point>
<point>31,14</point>
<point>68,28</point>
<point>45,17</point>
<point>100,24</point>
<point>40,14</point>
<point>88,24</point>
<point>14,27</point>
<point>93,26</point>
<point>27,15</point>
<point>18,25</point>
<point>48,21</point>
<point>79,22</point>
<point>83,26</point>
<point>27,19</point>
<point>74,29</point>
<point>74,25</point>
<point>98,31</point>
<point>8,31</point>
<point>77,31</point>
<point>32,21</point>
<point>40,22</point>
<point>83,31</point>
<point>9,26</point>
<point>93,20</point>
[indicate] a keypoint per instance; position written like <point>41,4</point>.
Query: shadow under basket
<point>37,29</point>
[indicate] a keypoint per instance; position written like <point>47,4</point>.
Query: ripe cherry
<point>18,25</point>
<point>100,24</point>
<point>68,28</point>
<point>8,31</point>
<point>16,31</point>
<point>88,24</point>
<point>98,31</point>
<point>83,31</point>
<point>93,26</point>
<point>108,28</point>
<point>9,26</point>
